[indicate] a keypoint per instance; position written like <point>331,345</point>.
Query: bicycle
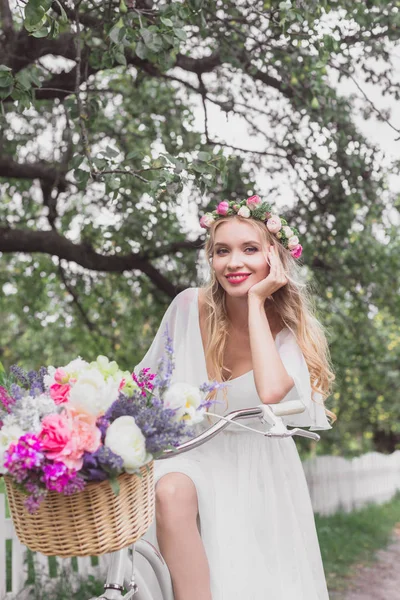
<point>122,572</point>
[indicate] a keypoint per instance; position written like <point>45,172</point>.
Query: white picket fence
<point>335,483</point>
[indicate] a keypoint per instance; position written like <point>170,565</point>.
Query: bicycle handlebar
<point>267,413</point>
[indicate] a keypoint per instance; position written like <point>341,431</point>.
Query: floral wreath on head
<point>255,208</point>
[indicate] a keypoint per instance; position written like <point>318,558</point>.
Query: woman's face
<point>239,258</point>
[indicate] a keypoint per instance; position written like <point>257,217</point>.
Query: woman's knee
<point>176,498</point>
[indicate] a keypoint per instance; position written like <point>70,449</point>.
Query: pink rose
<point>293,242</point>
<point>223,208</point>
<point>60,392</point>
<point>253,202</point>
<point>206,221</point>
<point>236,207</point>
<point>56,432</point>
<point>274,224</point>
<point>65,437</point>
<point>297,251</point>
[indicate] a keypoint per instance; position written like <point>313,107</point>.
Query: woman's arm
<point>270,376</point>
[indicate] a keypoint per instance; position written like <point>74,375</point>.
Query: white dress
<point>256,519</point>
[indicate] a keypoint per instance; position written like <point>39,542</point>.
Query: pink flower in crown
<point>274,224</point>
<point>297,251</point>
<point>236,207</point>
<point>60,392</point>
<point>222,208</point>
<point>207,220</point>
<point>253,202</point>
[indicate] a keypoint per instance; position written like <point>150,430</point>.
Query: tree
<point>99,140</point>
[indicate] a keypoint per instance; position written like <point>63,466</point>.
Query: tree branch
<point>6,19</point>
<point>52,243</point>
<point>43,171</point>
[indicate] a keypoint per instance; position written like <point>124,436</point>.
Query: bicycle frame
<point>122,573</point>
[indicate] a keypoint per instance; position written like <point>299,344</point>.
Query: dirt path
<point>380,581</point>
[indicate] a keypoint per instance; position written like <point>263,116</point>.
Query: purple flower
<point>102,464</point>
<point>145,380</point>
<point>24,456</point>
<point>20,375</point>
<point>5,399</point>
<point>56,476</point>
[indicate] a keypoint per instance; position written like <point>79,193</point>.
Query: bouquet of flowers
<point>63,427</point>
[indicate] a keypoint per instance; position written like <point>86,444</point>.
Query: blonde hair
<point>294,305</point>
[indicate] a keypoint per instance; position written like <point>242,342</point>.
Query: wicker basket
<point>88,523</point>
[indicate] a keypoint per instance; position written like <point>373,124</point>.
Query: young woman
<point>233,517</point>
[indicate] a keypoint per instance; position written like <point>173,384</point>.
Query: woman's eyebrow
<point>251,242</point>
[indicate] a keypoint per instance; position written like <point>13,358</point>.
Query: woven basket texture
<point>88,523</point>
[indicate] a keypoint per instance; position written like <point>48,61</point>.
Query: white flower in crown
<point>293,241</point>
<point>126,439</point>
<point>185,399</point>
<point>287,231</point>
<point>244,211</point>
<point>274,224</point>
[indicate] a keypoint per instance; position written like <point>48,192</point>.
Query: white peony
<point>126,439</point>
<point>287,231</point>
<point>8,434</point>
<point>92,394</point>
<point>293,241</point>
<point>244,211</point>
<point>185,399</point>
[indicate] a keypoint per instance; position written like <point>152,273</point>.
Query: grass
<point>350,539</point>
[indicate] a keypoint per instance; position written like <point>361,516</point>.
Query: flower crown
<point>255,208</point>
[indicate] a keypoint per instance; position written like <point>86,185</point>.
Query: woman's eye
<point>221,251</point>
<point>252,249</point>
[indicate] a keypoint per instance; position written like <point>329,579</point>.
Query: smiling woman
<point>248,327</point>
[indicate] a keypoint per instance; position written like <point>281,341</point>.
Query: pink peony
<point>223,208</point>
<point>56,432</point>
<point>274,224</point>
<point>253,202</point>
<point>206,221</point>
<point>60,392</point>
<point>297,251</point>
<point>65,437</point>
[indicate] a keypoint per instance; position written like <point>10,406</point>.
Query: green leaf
<point>111,152</point>
<point>63,17</point>
<point>4,68</point>
<point>180,34</point>
<point>115,485</point>
<point>6,91</point>
<point>41,33</point>
<point>167,22</point>
<point>204,156</point>
<point>141,50</point>
<point>6,79</point>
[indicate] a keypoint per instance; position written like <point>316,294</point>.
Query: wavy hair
<point>293,304</point>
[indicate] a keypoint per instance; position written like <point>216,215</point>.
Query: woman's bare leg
<point>179,538</point>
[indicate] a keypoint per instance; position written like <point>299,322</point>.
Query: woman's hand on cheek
<point>275,279</point>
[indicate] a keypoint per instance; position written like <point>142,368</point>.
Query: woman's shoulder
<point>186,297</point>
